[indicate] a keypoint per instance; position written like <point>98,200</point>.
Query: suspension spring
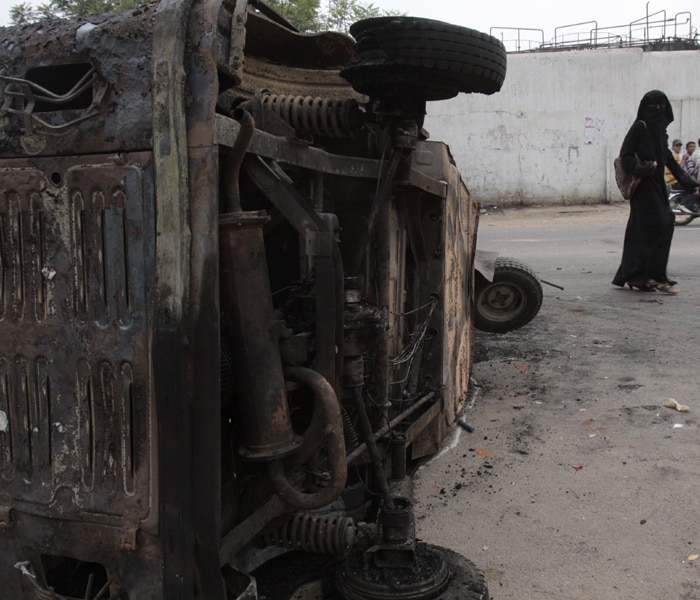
<point>349,432</point>
<point>320,534</point>
<point>316,116</point>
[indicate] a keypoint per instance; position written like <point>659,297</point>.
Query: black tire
<point>508,302</point>
<point>298,575</point>
<point>681,218</point>
<point>468,582</point>
<point>434,59</point>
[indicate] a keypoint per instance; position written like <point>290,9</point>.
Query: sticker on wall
<point>591,130</point>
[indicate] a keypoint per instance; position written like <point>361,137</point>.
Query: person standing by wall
<point>649,230</point>
<point>688,162</point>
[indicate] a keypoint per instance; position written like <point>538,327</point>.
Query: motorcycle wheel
<point>681,218</point>
<point>508,302</point>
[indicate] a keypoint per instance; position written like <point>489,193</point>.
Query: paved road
<point>580,247</point>
<point>578,483</point>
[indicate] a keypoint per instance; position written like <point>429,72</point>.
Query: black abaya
<point>650,225</point>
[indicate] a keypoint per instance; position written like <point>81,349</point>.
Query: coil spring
<point>321,534</point>
<point>349,432</point>
<point>316,116</point>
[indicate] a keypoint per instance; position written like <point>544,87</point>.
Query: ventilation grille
<point>76,251</point>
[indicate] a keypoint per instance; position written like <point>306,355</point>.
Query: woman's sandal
<point>667,288</point>
<point>650,286</point>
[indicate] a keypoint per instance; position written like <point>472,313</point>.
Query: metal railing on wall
<point>654,31</point>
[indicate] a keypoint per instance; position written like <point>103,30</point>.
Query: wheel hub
<point>426,578</point>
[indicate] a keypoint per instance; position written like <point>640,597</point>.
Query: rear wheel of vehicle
<point>508,302</point>
<point>432,59</point>
<point>681,218</point>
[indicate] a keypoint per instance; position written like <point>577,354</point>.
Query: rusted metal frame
<point>56,328</point>
<point>386,256</point>
<point>237,39</point>
<point>28,91</point>
<point>234,158</point>
<point>249,318</point>
<point>203,394</point>
<point>387,184</point>
<point>328,304</point>
<point>415,428</point>
<point>254,334</point>
<point>360,451</point>
<point>272,182</point>
<point>422,181</point>
<point>321,246</point>
<point>427,244</point>
<point>371,446</point>
<point>448,228</point>
<point>236,539</point>
<point>171,296</point>
<point>297,154</point>
<point>327,412</point>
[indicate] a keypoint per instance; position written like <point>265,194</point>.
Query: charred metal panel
<point>448,353</point>
<point>76,256</point>
<point>96,75</point>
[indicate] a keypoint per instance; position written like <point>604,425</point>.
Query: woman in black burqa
<point>649,232</point>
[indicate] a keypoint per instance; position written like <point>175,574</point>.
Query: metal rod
<point>362,448</point>
<point>382,193</point>
<point>371,444</point>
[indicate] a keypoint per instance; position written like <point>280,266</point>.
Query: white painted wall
<point>551,134</point>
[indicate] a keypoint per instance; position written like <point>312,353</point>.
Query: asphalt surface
<point>578,483</point>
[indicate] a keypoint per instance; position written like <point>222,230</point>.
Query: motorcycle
<point>685,206</point>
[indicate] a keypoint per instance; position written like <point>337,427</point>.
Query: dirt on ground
<point>577,482</point>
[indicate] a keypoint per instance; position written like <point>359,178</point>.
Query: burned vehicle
<point>236,286</point>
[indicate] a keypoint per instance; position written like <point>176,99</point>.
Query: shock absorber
<point>323,117</point>
<point>321,534</point>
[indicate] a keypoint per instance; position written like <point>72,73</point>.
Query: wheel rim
<point>502,301</point>
<point>682,218</point>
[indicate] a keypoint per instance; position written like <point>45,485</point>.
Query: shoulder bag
<point>626,182</point>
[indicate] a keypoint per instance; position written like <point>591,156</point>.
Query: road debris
<point>464,425</point>
<point>672,403</point>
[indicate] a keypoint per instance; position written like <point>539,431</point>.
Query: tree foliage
<point>26,13</point>
<point>305,15</point>
<point>325,15</point>
<point>340,14</point>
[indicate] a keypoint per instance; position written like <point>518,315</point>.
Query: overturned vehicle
<point>236,296</point>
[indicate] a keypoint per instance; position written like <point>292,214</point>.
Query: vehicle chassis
<point>232,292</point>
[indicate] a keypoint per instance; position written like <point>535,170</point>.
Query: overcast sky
<point>535,14</point>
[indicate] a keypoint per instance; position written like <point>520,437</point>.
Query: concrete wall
<point>551,134</point>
